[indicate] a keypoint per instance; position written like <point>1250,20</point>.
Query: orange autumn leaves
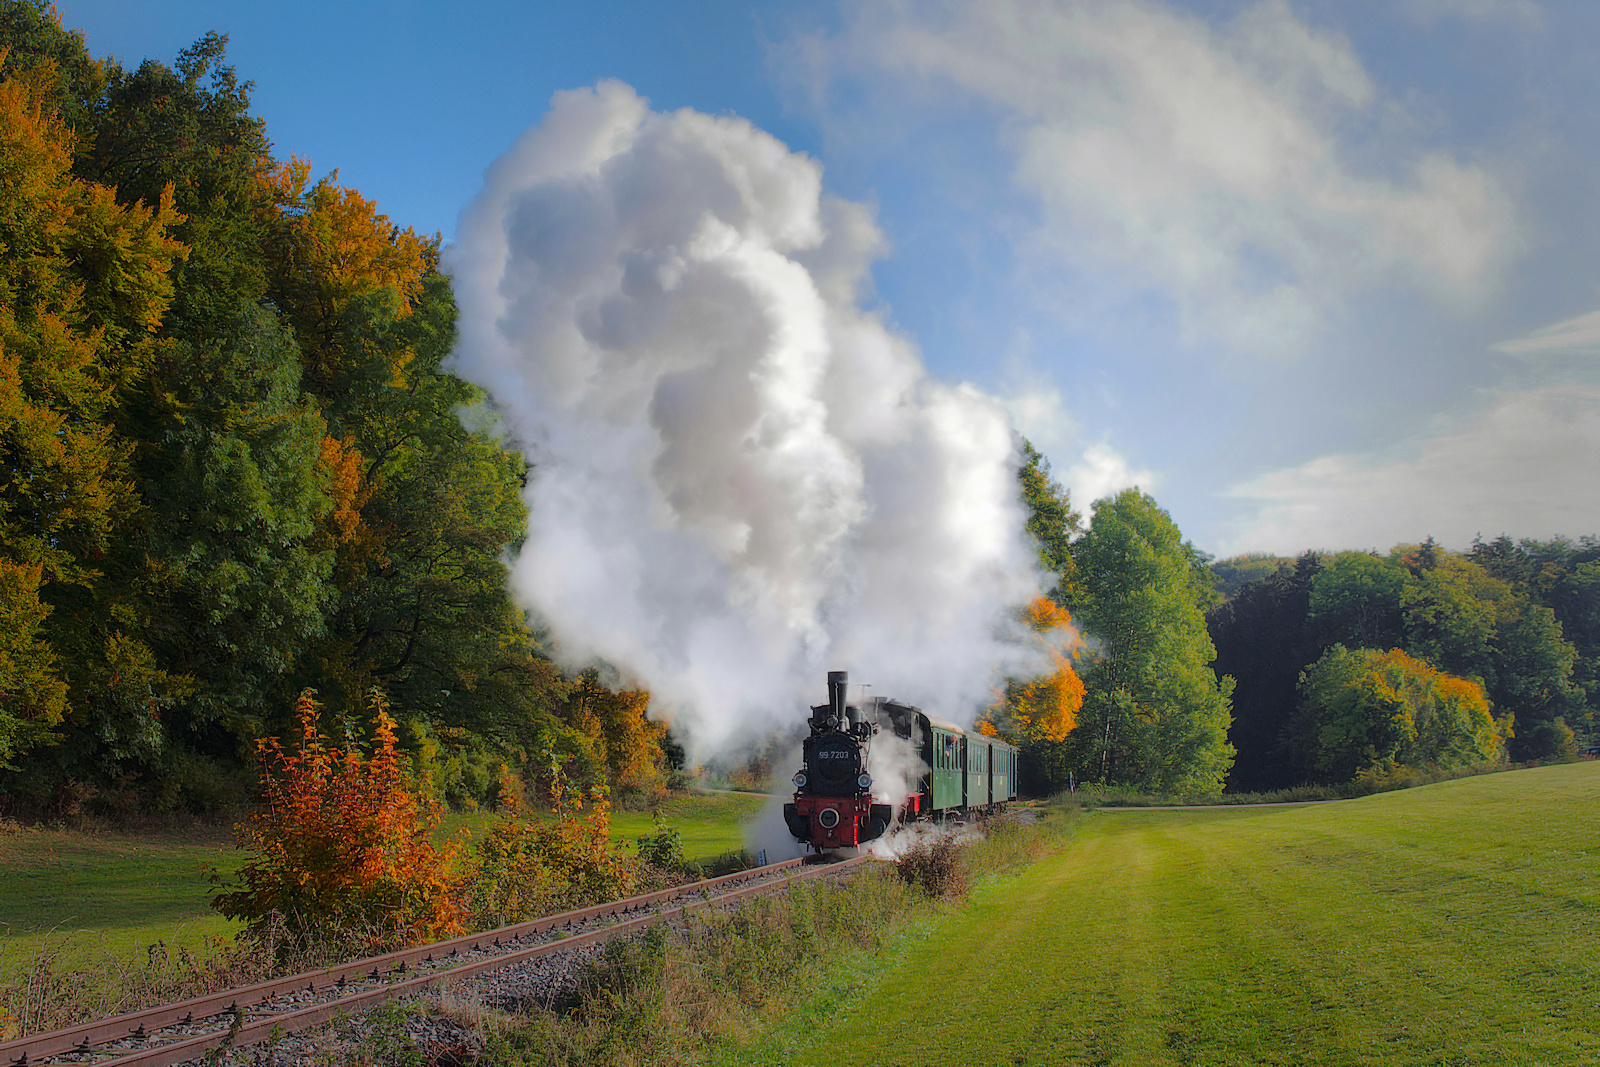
<point>343,845</point>
<point>342,840</point>
<point>1044,708</point>
<point>335,248</point>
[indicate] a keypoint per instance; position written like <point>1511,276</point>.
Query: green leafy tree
<point>1563,576</point>
<point>188,127</point>
<point>1155,715</point>
<point>230,467</point>
<point>1357,600</point>
<point>1364,707</point>
<point>1051,521</point>
<point>1462,618</point>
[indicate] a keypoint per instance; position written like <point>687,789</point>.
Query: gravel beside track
<point>526,963</point>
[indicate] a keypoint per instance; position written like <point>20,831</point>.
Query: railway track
<point>185,1031</point>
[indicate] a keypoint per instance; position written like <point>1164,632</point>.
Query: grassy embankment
<point>1456,923</point>
<point>91,895</point>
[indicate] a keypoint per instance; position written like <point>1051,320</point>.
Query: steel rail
<point>251,1033</point>
<point>83,1037</point>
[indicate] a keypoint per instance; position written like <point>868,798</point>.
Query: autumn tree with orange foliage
<point>84,282</point>
<point>620,739</point>
<point>1043,708</point>
<point>343,843</point>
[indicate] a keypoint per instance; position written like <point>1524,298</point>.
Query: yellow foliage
<point>84,282</point>
<point>618,725</point>
<point>526,866</point>
<point>337,247</point>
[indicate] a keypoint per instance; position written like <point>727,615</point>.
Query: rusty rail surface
<point>82,1039</point>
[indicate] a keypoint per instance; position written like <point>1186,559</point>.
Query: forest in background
<point>1417,656</point>
<point>234,467</point>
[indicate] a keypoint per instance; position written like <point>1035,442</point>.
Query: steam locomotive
<point>833,805</point>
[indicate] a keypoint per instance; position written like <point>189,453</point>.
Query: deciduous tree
<point>1155,715</point>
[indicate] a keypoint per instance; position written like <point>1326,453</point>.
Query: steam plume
<point>740,478</point>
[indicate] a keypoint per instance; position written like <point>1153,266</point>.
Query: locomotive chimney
<point>838,685</point>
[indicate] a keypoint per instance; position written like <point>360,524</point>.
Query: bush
<point>937,866</point>
<point>526,868</point>
<point>342,843</point>
<point>663,849</point>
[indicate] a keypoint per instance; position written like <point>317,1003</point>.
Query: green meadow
<point>91,895</point>
<point>1456,923</point>
<point>712,824</point>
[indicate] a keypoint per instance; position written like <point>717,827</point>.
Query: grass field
<point>115,894</point>
<point>712,824</point>
<point>1456,923</point>
<point>107,893</point>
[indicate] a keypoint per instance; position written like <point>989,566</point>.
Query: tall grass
<point>42,991</point>
<point>661,997</point>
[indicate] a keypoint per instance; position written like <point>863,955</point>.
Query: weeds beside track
<point>364,983</point>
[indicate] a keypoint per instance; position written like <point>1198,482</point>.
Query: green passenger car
<point>1002,773</point>
<point>944,757</point>
<point>966,772</point>
<point>977,777</point>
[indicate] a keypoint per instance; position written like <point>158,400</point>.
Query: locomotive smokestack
<point>838,685</point>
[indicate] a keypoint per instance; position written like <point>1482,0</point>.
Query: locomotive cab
<point>832,805</point>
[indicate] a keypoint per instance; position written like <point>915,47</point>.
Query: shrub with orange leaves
<point>1043,708</point>
<point>527,867</point>
<point>343,845</point>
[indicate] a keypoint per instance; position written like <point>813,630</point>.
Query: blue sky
<point>1316,274</point>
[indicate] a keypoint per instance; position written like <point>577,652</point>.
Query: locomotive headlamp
<point>828,817</point>
<point>799,779</point>
<point>865,781</point>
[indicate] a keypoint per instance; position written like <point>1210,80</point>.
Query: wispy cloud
<point>1579,336</point>
<point>1528,466</point>
<point>1210,165</point>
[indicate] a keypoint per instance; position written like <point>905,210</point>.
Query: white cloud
<point>1089,472</point>
<point>1103,472</point>
<point>1529,466</point>
<point>1207,164</point>
<point>1579,336</point>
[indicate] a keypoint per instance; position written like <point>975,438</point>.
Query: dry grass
<point>937,866</point>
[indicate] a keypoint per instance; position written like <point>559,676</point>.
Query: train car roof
<point>941,724</point>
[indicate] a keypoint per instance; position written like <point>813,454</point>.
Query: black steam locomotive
<point>834,806</point>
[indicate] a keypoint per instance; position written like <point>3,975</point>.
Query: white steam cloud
<point>740,478</point>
